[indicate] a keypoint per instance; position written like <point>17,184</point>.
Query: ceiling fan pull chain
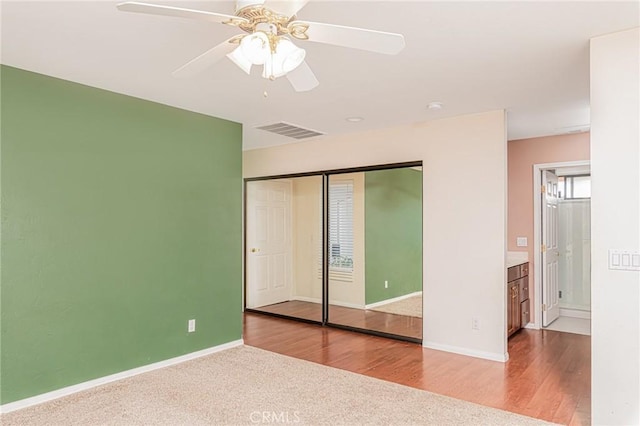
<point>265,93</point>
<point>271,76</point>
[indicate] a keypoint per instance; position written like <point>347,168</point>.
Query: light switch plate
<point>522,242</point>
<point>624,260</point>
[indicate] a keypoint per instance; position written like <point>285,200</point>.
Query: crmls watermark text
<point>275,417</point>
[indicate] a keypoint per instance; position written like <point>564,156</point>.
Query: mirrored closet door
<point>375,251</point>
<point>341,248</point>
<point>283,266</point>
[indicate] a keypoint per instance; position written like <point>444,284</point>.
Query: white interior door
<point>269,247</point>
<point>550,253</point>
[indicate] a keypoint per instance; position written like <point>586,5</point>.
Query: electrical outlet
<point>191,327</point>
<point>475,324</point>
<point>386,284</point>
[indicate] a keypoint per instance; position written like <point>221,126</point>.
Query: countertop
<point>517,258</point>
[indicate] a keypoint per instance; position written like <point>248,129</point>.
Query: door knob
<point>255,250</point>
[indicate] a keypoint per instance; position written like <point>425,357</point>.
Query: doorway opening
<point>341,248</point>
<point>563,247</point>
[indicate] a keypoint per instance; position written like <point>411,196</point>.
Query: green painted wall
<point>121,220</point>
<point>393,233</point>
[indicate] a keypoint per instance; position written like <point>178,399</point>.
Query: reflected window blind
<point>341,230</point>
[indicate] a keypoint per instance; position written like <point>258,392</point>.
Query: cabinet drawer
<point>517,271</point>
<point>523,283</point>
<point>524,312</point>
<point>513,273</point>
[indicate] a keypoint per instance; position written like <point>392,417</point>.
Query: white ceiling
<point>531,58</point>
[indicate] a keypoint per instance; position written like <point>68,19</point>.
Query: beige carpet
<point>246,385</point>
<point>411,307</point>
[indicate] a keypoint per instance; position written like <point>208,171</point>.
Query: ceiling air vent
<point>289,130</point>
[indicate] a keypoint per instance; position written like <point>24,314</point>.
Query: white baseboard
<point>531,326</point>
<point>331,302</point>
<point>59,393</point>
<point>395,299</point>
<point>575,313</point>
<point>492,356</point>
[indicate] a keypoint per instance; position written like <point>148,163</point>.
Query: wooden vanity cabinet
<point>525,317</point>
<point>518,312</point>
<point>513,308</point>
<point>523,287</point>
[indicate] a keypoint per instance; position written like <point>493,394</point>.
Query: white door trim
<point>537,226</point>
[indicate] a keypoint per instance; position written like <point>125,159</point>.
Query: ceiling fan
<point>270,26</point>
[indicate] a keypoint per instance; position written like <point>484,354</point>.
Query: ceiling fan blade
<point>302,78</point>
<point>286,7</point>
<point>356,38</point>
<point>205,60</point>
<point>154,9</point>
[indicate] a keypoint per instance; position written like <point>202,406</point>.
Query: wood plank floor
<point>548,375</point>
<point>400,325</point>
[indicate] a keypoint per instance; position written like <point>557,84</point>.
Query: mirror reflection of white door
<point>550,253</point>
<point>268,244</point>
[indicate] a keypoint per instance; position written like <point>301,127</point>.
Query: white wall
<point>615,224</point>
<point>306,205</point>
<point>464,213</point>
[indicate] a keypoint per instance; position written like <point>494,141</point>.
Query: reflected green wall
<point>393,233</point>
<point>121,220</point>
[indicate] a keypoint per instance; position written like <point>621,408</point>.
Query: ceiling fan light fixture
<point>272,68</point>
<point>255,47</point>
<point>240,59</point>
<point>285,59</point>
<point>290,55</point>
